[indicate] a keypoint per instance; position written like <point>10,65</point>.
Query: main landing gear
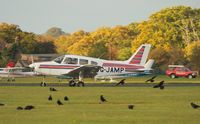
<point>73,83</point>
<point>79,83</point>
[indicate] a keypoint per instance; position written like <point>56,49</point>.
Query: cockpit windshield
<point>59,59</point>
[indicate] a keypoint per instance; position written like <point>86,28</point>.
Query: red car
<point>180,71</point>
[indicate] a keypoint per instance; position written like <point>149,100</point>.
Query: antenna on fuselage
<point>101,55</point>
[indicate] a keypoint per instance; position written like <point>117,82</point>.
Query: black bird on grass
<point>151,79</point>
<point>52,89</point>
<point>1,104</point>
<point>66,98</point>
<point>59,102</point>
<point>160,85</point>
<point>194,106</point>
<point>19,108</point>
<point>130,106</point>
<point>29,107</point>
<point>102,99</point>
<point>121,82</point>
<point>50,98</point>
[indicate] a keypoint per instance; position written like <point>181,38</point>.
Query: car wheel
<point>173,76</point>
<point>80,84</point>
<point>190,76</point>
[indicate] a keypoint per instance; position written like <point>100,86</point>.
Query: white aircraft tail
<point>149,64</point>
<point>140,56</point>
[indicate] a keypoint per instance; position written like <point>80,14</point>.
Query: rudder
<point>140,56</point>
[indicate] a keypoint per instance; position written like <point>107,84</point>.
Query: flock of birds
<point>50,98</point>
<point>102,98</point>
<point>152,79</point>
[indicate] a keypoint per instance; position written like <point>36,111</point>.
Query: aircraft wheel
<point>80,84</point>
<point>72,83</point>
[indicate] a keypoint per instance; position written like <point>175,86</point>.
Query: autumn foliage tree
<point>169,31</point>
<point>174,26</point>
<point>193,54</point>
<point>172,32</point>
<point>105,42</point>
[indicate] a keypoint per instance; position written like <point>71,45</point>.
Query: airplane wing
<point>87,71</point>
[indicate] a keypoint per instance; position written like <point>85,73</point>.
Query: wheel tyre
<point>173,76</point>
<point>72,83</point>
<point>80,84</point>
<point>190,76</point>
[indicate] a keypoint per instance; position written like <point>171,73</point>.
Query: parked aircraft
<point>74,66</point>
<point>11,72</point>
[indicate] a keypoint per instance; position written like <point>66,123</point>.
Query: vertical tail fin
<point>140,56</point>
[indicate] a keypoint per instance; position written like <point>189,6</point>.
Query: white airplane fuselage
<point>136,65</point>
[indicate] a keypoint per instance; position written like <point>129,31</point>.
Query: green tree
<point>8,32</point>
<point>14,42</point>
<point>28,43</point>
<point>45,44</point>
<point>55,32</point>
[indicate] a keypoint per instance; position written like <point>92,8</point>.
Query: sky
<point>72,15</point>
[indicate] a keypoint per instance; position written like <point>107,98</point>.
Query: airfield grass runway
<point>151,106</point>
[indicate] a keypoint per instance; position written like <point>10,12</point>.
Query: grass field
<point>152,106</point>
<point>140,79</point>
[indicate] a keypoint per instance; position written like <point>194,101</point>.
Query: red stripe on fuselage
<point>58,66</point>
<point>122,66</point>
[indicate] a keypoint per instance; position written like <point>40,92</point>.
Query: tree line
<point>173,33</point>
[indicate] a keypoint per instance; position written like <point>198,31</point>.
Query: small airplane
<point>11,72</point>
<point>74,66</point>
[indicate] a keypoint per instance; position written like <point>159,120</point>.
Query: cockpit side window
<point>83,62</point>
<point>69,60</point>
<point>59,59</point>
